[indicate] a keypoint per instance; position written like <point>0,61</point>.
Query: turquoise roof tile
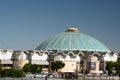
<point>72,41</point>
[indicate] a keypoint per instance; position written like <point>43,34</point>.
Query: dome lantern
<point>72,30</point>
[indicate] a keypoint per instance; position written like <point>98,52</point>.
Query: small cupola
<point>72,30</point>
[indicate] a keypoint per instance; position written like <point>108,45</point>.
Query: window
<point>93,65</point>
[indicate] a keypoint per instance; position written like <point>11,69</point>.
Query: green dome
<point>70,40</point>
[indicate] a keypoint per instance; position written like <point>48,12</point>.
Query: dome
<point>71,40</point>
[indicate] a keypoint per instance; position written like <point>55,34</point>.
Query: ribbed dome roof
<point>72,40</point>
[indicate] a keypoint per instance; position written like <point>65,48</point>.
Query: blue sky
<point>24,24</point>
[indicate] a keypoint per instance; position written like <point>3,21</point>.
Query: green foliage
<point>55,66</point>
<point>109,67</point>
<point>36,68</point>
<point>84,71</point>
<point>12,73</point>
<point>32,68</point>
<point>0,66</point>
<point>27,67</point>
<point>19,73</point>
<point>117,66</point>
<point>118,59</point>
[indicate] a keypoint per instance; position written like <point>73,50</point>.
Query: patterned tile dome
<point>71,40</point>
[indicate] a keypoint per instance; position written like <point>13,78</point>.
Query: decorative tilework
<point>72,41</point>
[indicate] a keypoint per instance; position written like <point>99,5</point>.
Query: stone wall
<point>20,63</point>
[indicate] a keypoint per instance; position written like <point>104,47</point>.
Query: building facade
<point>78,51</point>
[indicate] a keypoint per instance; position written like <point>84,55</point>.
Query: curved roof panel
<point>72,41</point>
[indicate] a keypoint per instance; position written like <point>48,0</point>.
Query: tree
<point>55,66</point>
<point>27,67</point>
<point>84,71</point>
<point>19,73</point>
<point>0,68</point>
<point>32,68</point>
<point>36,68</point>
<point>109,67</point>
<point>117,67</point>
<point>12,73</point>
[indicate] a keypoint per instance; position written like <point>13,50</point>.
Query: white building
<point>78,51</point>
